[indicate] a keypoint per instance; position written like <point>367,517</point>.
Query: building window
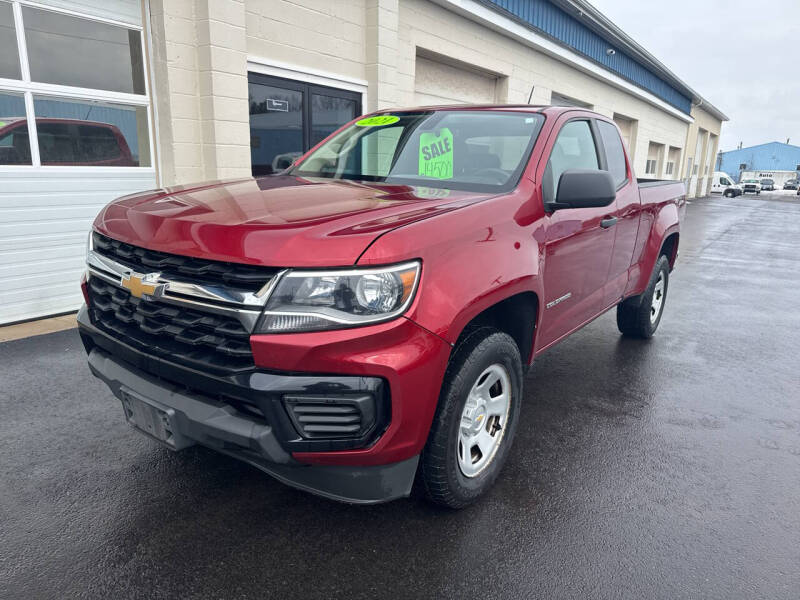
<point>288,118</point>
<point>670,168</point>
<point>9,55</point>
<point>650,167</point>
<point>694,170</point>
<point>76,96</point>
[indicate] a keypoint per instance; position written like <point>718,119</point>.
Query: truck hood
<point>279,221</point>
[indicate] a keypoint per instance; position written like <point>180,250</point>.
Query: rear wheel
<point>475,421</point>
<point>639,316</point>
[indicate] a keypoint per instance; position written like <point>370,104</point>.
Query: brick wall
<point>200,50</point>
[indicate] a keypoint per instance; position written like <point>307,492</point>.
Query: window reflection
<point>276,127</point>
<point>91,134</point>
<point>9,55</point>
<point>77,52</point>
<point>328,113</point>
<point>15,148</point>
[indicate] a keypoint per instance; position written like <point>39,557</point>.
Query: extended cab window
<point>97,144</point>
<point>574,149</point>
<point>484,151</point>
<point>56,143</point>
<point>615,155</point>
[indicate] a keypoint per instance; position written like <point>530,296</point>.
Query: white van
<point>722,183</point>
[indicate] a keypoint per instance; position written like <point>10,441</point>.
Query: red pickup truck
<point>365,318</point>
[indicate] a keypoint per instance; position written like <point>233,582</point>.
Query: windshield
<point>461,150</point>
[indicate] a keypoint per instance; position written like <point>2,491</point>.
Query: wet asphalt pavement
<point>667,468</point>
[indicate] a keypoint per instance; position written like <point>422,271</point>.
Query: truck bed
<point>661,191</point>
<point>644,182</point>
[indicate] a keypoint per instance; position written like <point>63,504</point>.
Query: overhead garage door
<point>74,135</point>
<point>441,83</point>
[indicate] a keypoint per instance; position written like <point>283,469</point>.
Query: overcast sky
<point>742,56</point>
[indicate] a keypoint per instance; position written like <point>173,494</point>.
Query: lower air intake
<point>331,417</point>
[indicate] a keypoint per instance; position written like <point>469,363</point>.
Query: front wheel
<point>728,193</point>
<point>475,421</point>
<point>639,316</point>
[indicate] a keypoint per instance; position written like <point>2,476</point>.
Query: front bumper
<point>214,424</point>
<point>218,412</point>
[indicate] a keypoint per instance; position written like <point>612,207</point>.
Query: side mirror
<point>584,188</point>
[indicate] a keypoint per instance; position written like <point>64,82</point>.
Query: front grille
<point>193,338</point>
<point>184,268</point>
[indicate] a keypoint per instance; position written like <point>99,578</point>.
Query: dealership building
<point>102,98</point>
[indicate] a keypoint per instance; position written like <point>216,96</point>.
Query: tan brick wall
<point>430,27</point>
<point>200,51</point>
<point>708,126</point>
<point>200,74</point>
<point>315,34</point>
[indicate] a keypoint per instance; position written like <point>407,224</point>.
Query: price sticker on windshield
<point>436,154</point>
<point>377,121</point>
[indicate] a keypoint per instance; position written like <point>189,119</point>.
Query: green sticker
<point>436,154</point>
<point>2,123</point>
<point>377,121</point>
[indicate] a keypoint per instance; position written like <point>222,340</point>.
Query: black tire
<point>441,477</point>
<point>728,193</point>
<point>634,314</point>
<point>758,193</point>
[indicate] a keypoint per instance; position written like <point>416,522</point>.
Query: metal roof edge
<point>784,144</point>
<point>604,27</point>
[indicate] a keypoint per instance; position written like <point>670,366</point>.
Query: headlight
<point>318,300</point>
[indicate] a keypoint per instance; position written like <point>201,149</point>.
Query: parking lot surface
<point>667,468</point>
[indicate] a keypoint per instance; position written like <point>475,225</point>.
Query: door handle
<point>608,222</point>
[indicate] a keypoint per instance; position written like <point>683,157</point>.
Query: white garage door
<point>74,135</point>
<point>439,83</point>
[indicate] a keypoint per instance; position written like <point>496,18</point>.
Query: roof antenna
<point>531,94</point>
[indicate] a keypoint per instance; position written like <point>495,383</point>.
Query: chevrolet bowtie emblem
<point>143,286</point>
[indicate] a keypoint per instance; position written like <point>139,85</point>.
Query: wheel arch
<point>667,224</point>
<point>669,248</point>
<point>516,314</point>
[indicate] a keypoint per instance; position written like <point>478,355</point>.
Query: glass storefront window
<point>276,127</point>
<point>288,117</point>
<point>80,133</point>
<point>328,113</point>
<point>9,56</point>
<point>15,148</point>
<point>67,50</point>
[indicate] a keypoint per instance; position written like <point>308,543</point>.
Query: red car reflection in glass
<point>65,142</point>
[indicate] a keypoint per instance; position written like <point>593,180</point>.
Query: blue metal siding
<point>557,24</point>
<point>773,156</point>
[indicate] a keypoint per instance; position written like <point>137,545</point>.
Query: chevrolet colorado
<point>364,318</point>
